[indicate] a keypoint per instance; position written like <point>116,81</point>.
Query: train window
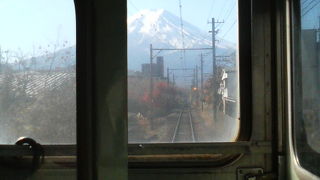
<point>306,73</point>
<point>182,71</point>
<point>37,71</point>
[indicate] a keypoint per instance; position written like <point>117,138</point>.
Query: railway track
<point>184,130</point>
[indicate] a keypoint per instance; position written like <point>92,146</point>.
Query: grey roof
<point>36,82</point>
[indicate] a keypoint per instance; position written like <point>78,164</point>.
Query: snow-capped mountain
<point>162,29</point>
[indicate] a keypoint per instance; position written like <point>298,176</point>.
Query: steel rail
<point>177,127</point>
<point>191,126</point>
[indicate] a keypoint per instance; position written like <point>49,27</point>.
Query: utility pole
<point>197,83</point>
<point>214,70</point>
<point>168,77</point>
<point>194,78</point>
<point>213,32</point>
<point>151,80</point>
<point>197,86</point>
<point>0,60</point>
<point>201,81</point>
<point>173,79</point>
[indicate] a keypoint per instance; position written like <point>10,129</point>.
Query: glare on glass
<point>37,71</point>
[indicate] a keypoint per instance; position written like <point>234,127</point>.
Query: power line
<point>304,2</point>
<point>303,8</point>
<point>228,14</point>
<point>229,29</point>
<point>222,9</point>
<point>211,9</point>
<point>310,8</point>
<point>135,7</point>
<point>200,37</point>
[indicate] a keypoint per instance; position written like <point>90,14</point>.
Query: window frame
<point>88,120</point>
<point>64,154</point>
<point>295,95</point>
<point>55,149</point>
<point>140,153</point>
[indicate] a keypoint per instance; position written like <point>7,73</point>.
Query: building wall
<point>160,66</point>
<point>157,68</point>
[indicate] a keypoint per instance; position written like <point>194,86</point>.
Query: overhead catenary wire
<point>134,6</point>
<point>229,29</point>
<point>304,2</point>
<point>222,9</point>
<point>307,11</point>
<point>226,18</point>
<point>182,32</point>
<point>211,9</point>
<point>200,36</point>
<point>305,7</point>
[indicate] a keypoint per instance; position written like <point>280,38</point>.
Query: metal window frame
<point>86,146</point>
<point>55,155</point>
<point>142,155</point>
<point>89,155</point>
<point>51,150</point>
<point>298,170</point>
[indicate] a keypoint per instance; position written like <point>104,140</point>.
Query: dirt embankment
<point>160,130</point>
<point>140,129</point>
<point>208,129</point>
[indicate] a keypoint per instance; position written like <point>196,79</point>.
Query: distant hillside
<point>61,59</point>
<point>162,29</point>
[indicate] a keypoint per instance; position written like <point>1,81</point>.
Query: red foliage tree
<point>164,98</point>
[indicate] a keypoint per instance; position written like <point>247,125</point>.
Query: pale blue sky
<point>28,24</point>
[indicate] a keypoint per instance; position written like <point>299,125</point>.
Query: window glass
<point>182,71</point>
<point>306,85</point>
<point>37,71</point>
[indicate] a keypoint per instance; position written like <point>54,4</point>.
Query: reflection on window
<point>37,71</point>
<point>182,79</point>
<point>307,80</point>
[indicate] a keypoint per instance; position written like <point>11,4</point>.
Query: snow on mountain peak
<point>147,19</point>
<point>161,26</point>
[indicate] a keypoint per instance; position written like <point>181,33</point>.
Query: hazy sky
<point>28,24</point>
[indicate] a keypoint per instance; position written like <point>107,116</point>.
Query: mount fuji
<point>162,29</point>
